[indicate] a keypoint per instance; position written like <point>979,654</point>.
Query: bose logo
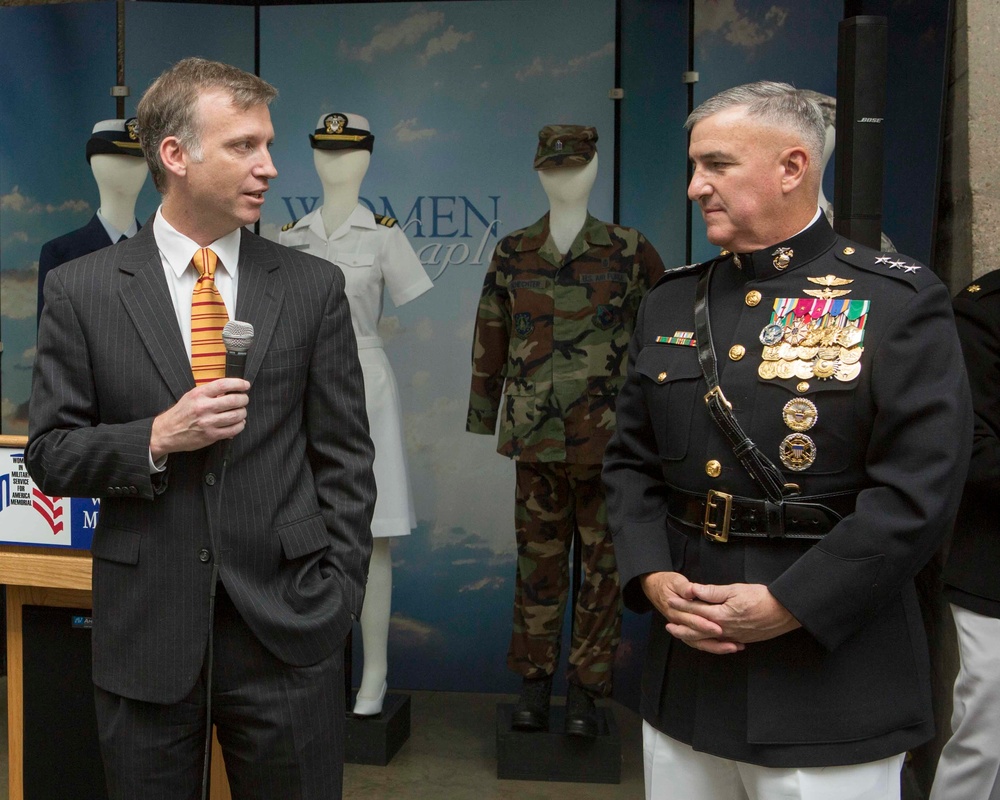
<point>871,119</point>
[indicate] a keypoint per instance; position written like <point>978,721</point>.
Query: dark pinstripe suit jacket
<point>289,522</point>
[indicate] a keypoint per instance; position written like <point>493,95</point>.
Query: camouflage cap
<point>565,146</point>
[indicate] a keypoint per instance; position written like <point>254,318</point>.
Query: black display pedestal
<point>553,756</point>
<point>375,740</point>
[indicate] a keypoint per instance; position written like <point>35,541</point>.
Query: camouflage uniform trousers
<point>552,500</point>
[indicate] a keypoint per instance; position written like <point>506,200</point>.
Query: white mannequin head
<point>569,185</point>
<point>341,171</point>
<point>123,176</point>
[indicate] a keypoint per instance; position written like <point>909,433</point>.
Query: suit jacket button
<point>204,556</point>
<point>133,490</point>
<point>210,479</point>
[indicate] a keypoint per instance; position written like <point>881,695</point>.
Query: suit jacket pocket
<point>116,544</point>
<point>282,359</point>
<point>303,537</point>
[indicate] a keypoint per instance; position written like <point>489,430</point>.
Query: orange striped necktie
<point>208,318</point>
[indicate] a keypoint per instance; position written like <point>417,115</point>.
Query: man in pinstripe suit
<point>283,521</point>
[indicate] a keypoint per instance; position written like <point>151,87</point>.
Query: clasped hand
<point>717,619</point>
<point>204,415</point>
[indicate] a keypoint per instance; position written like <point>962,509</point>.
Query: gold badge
<point>782,257</point>
<point>974,288</point>
<point>803,369</point>
<point>851,355</point>
<point>132,127</point>
<point>800,414</point>
<point>824,369</point>
<point>768,370</point>
<point>784,369</point>
<point>828,282</point>
<point>849,336</point>
<point>335,123</point>
<point>771,353</point>
<point>797,451</point>
<point>847,372</point>
<point>849,251</point>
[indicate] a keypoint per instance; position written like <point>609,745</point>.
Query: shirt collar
<point>360,217</point>
<point>806,245</point>
<point>113,233</point>
<point>176,249</point>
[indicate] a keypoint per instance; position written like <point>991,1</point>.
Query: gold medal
<point>784,369</point>
<point>814,338</point>
<point>850,336</point>
<point>808,353</point>
<point>771,353</point>
<point>803,369</point>
<point>824,369</point>
<point>797,451</point>
<point>767,370</point>
<point>786,352</point>
<point>851,355</point>
<point>828,353</point>
<point>800,414</point>
<point>848,372</point>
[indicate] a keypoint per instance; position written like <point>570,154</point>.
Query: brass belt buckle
<point>717,393</point>
<point>717,532</point>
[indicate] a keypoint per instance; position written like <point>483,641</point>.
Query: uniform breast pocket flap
<point>671,378</point>
<point>355,260</point>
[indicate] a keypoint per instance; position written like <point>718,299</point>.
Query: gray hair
<point>780,105</point>
<point>169,105</point>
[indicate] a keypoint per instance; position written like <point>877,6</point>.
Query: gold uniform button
<point>803,387</point>
<point>737,351</point>
<point>713,468</point>
<point>661,377</point>
<point>848,251</point>
<point>753,298</point>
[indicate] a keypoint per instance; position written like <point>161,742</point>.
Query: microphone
<point>237,337</point>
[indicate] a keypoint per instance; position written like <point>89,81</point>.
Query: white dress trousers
<point>373,257</point>
<point>675,771</point>
<point>970,762</point>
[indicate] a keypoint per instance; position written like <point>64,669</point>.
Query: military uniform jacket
<point>970,575</point>
<point>853,684</point>
<point>552,333</point>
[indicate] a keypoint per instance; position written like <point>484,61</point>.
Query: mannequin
<point>554,321</point>
<point>120,171</point>
<point>568,190</point>
<point>373,253</point>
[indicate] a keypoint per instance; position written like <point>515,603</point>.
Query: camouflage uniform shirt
<point>555,329</point>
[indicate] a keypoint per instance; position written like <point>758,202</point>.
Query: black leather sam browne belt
<point>718,515</point>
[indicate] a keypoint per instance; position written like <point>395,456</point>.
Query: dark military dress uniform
<point>970,761</point>
<point>556,330</point>
<point>842,365</point>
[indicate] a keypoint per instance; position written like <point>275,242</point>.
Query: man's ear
<point>174,156</point>
<point>795,165</point>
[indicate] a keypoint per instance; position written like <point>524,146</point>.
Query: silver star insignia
<point>883,259</point>
<point>897,264</point>
<point>911,267</point>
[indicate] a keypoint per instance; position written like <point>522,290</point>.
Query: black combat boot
<point>532,710</point>
<point>581,713</point>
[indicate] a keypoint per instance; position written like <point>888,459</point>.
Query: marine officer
<point>792,438</point>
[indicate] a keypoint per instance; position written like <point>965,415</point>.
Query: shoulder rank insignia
<point>892,263</point>
<point>975,287</point>
<point>383,220</point>
<point>289,226</point>
<point>828,281</point>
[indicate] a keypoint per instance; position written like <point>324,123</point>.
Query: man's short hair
<point>169,105</point>
<point>779,105</point>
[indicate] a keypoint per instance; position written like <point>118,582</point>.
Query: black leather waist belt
<point>718,515</point>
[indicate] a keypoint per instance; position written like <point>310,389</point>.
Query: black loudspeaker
<point>861,85</point>
<point>61,753</point>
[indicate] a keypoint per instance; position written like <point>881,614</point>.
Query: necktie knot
<point>205,261</point>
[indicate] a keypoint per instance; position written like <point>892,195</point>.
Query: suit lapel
<point>260,295</point>
<point>147,301</point>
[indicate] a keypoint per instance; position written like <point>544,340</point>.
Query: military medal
<point>808,353</point>
<point>800,414</point>
<point>824,369</point>
<point>847,372</point>
<point>771,353</point>
<point>851,355</point>
<point>797,451</point>
<point>850,336</point>
<point>796,332</point>
<point>784,369</point>
<point>768,370</point>
<point>803,369</point>
<point>771,334</point>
